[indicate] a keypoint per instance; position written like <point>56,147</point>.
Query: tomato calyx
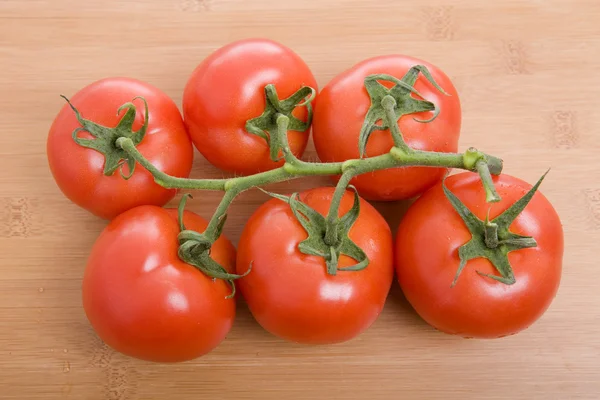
<point>492,239</point>
<point>265,125</point>
<point>316,226</point>
<point>194,249</point>
<point>398,99</point>
<point>105,138</point>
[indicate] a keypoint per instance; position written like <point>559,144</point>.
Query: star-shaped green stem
<point>105,138</point>
<point>194,249</point>
<point>492,239</point>
<point>315,226</point>
<point>399,97</point>
<point>265,125</point>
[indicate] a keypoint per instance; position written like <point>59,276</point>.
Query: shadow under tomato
<point>393,211</point>
<point>397,303</point>
<point>245,325</point>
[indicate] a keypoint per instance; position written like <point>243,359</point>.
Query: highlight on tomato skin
<point>290,293</point>
<point>79,171</point>
<point>341,109</point>
<point>228,88</point>
<point>477,306</point>
<point>143,301</point>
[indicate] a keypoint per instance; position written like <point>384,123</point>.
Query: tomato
<point>227,89</point>
<point>341,108</point>
<point>291,295</point>
<point>477,306</point>
<point>78,171</point>
<point>143,301</point>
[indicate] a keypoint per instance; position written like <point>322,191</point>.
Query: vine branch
<point>328,235</point>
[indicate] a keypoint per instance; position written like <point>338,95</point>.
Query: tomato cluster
<point>145,301</point>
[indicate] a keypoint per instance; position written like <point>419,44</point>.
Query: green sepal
<point>194,249</point>
<point>105,137</point>
<point>315,226</point>
<point>265,126</point>
<point>492,239</point>
<point>405,103</point>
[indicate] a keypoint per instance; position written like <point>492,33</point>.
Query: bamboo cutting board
<point>527,74</point>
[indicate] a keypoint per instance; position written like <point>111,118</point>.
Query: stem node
<point>388,103</point>
<point>397,153</point>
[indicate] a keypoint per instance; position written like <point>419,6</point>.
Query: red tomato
<point>291,295</point>
<point>78,171</point>
<point>427,260</point>
<point>340,112</point>
<point>143,301</point>
<point>227,89</point>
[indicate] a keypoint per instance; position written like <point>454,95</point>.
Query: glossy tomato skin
<point>78,171</point>
<point>227,89</point>
<point>143,301</point>
<point>427,260</point>
<point>340,111</point>
<point>291,295</point>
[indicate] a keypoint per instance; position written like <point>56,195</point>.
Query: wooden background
<point>527,73</point>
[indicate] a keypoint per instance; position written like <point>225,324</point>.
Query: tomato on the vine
<point>477,305</point>
<point>228,88</point>
<point>78,171</point>
<point>290,293</point>
<point>143,301</point>
<point>340,111</point>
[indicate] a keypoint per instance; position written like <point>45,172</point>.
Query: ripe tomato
<point>227,89</point>
<point>291,295</point>
<point>427,260</point>
<point>143,301</point>
<point>340,111</point>
<point>78,171</point>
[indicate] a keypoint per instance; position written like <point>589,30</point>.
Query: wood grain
<point>526,71</point>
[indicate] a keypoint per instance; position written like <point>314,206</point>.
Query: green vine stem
<point>389,105</point>
<point>394,159</point>
<point>331,227</point>
<point>329,236</point>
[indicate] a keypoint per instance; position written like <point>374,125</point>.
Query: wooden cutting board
<point>526,71</point>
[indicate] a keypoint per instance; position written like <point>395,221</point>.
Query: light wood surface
<point>527,74</point>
